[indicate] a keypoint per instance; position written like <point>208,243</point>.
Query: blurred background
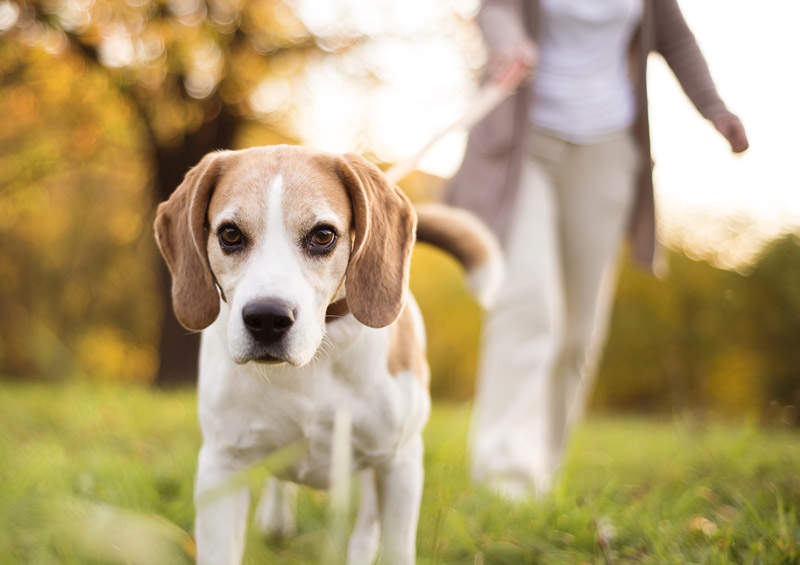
<point>106,104</point>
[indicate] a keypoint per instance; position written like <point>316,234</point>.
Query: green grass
<point>633,490</point>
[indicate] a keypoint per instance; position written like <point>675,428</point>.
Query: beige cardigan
<point>488,180</point>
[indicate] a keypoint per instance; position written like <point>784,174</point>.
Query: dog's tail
<point>466,238</point>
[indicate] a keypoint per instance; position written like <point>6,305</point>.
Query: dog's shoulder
<point>407,344</point>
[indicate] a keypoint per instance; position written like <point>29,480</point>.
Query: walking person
<point>561,171</point>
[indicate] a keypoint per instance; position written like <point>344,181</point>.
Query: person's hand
<point>730,126</point>
<point>506,57</point>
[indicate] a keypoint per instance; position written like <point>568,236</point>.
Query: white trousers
<point>542,339</point>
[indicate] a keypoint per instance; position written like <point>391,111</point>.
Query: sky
<point>716,205</point>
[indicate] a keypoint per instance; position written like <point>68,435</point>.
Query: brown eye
<point>321,240</point>
<point>230,238</point>
<point>323,237</point>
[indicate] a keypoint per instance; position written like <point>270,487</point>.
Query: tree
<point>193,71</point>
<point>773,300</point>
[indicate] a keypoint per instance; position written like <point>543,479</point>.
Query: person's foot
<point>517,488</point>
<point>510,488</point>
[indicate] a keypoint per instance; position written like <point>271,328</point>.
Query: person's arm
<point>677,44</point>
<point>502,24</point>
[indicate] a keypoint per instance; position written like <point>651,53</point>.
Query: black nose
<point>268,320</point>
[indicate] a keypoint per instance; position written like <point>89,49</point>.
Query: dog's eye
<point>321,240</point>
<point>323,237</point>
<point>230,238</point>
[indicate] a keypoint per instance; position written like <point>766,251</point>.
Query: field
<point>104,475</point>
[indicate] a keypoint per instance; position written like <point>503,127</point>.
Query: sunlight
<point>712,202</point>
<point>723,207</point>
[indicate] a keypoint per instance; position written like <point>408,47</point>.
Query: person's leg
<point>596,189</point>
<point>519,345</point>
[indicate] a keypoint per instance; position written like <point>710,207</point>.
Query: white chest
<point>249,411</point>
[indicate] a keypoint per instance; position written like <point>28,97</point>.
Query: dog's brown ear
<point>385,229</point>
<point>180,229</point>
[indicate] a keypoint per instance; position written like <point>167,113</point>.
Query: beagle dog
<point>294,263</point>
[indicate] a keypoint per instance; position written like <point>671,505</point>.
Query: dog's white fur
<point>272,270</point>
<point>249,409</point>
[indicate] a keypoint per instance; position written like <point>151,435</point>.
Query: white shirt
<point>581,88</point>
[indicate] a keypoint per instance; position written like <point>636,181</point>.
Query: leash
<point>488,98</point>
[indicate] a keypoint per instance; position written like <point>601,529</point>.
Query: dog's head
<point>279,233</point>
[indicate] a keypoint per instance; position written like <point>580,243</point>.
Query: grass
<point>84,471</point>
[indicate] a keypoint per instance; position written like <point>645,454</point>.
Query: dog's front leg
<point>399,494</point>
<point>220,510</point>
<point>363,544</point>
<point>274,515</point>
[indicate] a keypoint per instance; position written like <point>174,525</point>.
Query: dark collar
<point>336,310</point>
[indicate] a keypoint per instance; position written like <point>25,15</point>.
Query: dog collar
<point>336,310</point>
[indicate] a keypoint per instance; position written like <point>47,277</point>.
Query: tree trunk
<point>178,348</point>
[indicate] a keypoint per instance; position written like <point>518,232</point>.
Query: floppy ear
<point>385,229</point>
<point>180,229</point>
